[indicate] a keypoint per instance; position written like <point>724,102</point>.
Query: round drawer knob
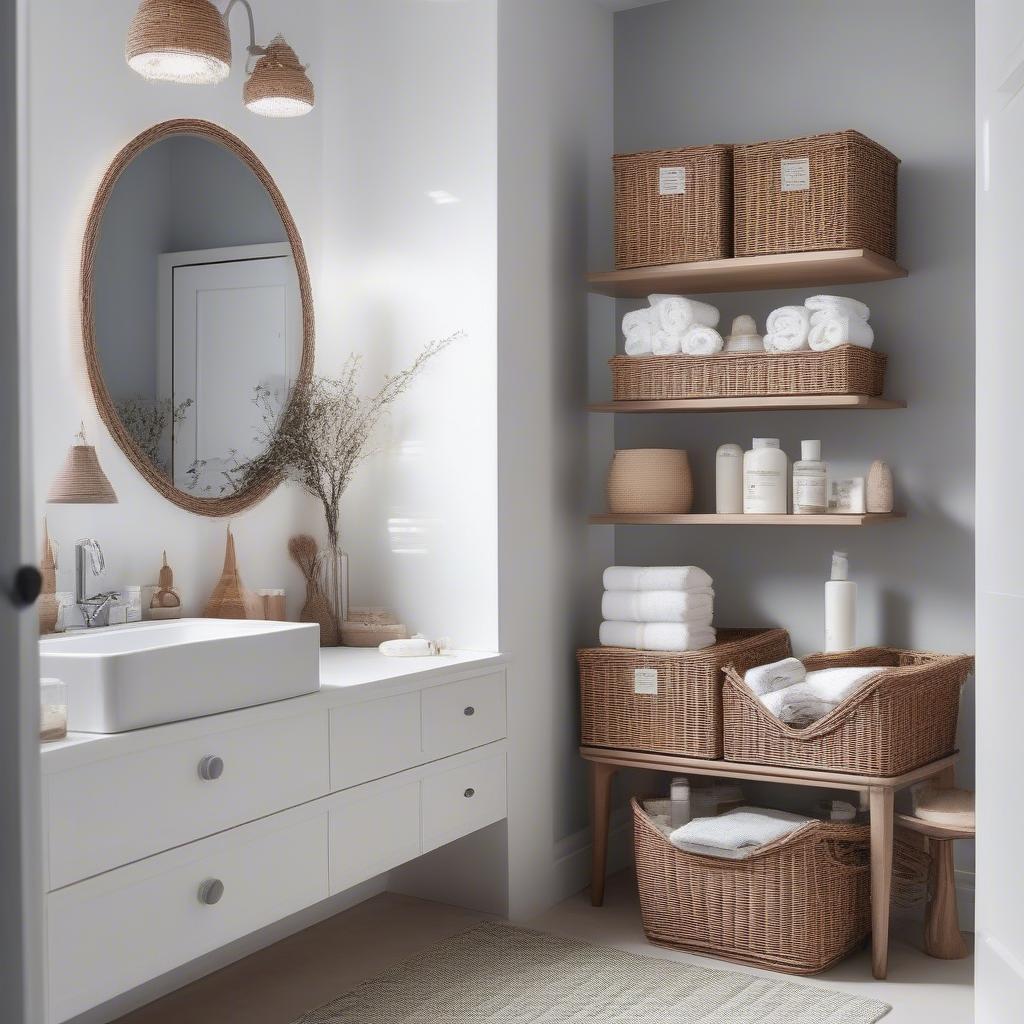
<point>210,891</point>
<point>469,792</point>
<point>211,767</point>
<point>470,711</point>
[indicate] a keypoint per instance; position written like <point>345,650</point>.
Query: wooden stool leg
<point>942,937</point>
<point>601,776</point>
<point>881,801</point>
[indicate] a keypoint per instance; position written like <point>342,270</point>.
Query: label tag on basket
<point>672,181</point>
<point>795,175</point>
<point>645,680</point>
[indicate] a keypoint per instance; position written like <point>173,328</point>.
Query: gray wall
<point>901,72</point>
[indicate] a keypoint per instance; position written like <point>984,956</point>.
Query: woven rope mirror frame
<point>262,486</point>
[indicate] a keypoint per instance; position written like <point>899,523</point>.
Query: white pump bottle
<point>840,607</point>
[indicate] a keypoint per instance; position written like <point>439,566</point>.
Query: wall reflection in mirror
<point>197,312</point>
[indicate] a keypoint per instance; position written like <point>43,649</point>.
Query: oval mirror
<point>197,313</point>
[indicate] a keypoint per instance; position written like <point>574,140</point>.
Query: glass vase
<point>334,584</point>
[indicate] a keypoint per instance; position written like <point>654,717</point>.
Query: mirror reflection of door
<point>230,320</point>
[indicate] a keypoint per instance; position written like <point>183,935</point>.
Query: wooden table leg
<point>601,776</point>
<point>942,936</point>
<point>881,801</point>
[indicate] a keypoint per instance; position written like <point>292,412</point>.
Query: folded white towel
<point>830,330</point>
<point>701,341</point>
<point>819,695</point>
<point>656,636</point>
<point>694,607</point>
<point>787,329</point>
<point>656,577</point>
<point>746,828</point>
<point>666,343</point>
<point>839,304</point>
<point>638,328</point>
<point>676,313</point>
<point>763,679</point>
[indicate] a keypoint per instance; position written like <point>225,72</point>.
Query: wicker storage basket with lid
<point>834,191</point>
<point>666,703</point>
<point>673,206</point>
<point>903,718</point>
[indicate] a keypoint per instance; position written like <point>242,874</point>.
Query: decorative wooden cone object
<point>879,487</point>
<point>229,599</point>
<point>48,594</point>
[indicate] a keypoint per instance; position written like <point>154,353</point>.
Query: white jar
<point>810,481</point>
<point>729,479</point>
<point>765,478</point>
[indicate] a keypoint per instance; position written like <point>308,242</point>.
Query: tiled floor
<point>284,981</point>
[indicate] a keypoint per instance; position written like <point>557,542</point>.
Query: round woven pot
<point>643,480</point>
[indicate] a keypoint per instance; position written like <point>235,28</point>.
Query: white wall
<point>999,948</point>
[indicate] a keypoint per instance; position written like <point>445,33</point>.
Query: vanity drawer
<point>462,800</point>
<point>373,829</point>
<point>113,812</point>
<point>463,715</point>
<point>374,739</point>
<point>111,933</point>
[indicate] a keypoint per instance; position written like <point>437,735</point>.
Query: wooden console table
<point>878,793</point>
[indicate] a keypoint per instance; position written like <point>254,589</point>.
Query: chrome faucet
<point>89,556</point>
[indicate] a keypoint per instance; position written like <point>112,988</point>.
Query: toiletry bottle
<point>679,801</point>
<point>810,481</point>
<point>840,607</point>
<point>729,479</point>
<point>765,478</point>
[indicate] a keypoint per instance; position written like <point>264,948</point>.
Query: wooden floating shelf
<point>765,404</point>
<point>714,519</point>
<point>749,273</point>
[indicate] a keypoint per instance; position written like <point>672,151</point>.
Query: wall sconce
<point>187,41</point>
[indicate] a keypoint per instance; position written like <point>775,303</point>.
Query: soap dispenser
<point>840,607</point>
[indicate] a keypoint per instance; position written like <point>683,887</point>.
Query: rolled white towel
<point>656,577</point>
<point>701,341</point>
<point>676,313</point>
<point>694,607</point>
<point>741,829</point>
<point>835,329</point>
<point>638,329</point>
<point>787,329</point>
<point>666,343</point>
<point>656,636</point>
<point>764,679</point>
<point>838,304</point>
<point>819,695</point>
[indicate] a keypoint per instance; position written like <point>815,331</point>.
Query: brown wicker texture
<point>850,202</point>
<point>685,716</point>
<point>896,722</point>
<point>846,370</point>
<point>643,480</point>
<point>264,484</point>
<point>798,905</point>
<point>278,75</point>
<point>652,228</point>
<point>180,26</point>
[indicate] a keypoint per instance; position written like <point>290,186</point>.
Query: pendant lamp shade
<point>82,481</point>
<point>183,41</point>
<point>278,85</point>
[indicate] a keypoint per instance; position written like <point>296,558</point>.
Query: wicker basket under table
<point>798,905</point>
<point>897,721</point>
<point>684,715</point>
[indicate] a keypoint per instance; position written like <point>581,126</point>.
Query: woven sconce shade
<point>278,85</point>
<point>81,481</point>
<point>183,41</point>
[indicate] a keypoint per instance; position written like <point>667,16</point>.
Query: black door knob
<point>28,581</point>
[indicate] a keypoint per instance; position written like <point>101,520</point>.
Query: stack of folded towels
<point>800,698</point>
<point>666,608</point>
<point>823,322</point>
<point>671,325</point>
<point>734,835</point>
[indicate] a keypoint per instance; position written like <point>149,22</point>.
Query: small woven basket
<point>645,480</point>
<point>835,191</point>
<point>798,905</point>
<point>846,370</point>
<point>684,713</point>
<point>673,206</point>
<point>897,721</point>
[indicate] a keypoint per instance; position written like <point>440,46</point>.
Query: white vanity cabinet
<point>164,844</point>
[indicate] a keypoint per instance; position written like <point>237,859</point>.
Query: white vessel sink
<point>130,677</point>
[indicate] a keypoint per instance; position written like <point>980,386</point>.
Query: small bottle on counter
<point>679,801</point>
<point>729,480</point>
<point>53,710</point>
<point>810,481</point>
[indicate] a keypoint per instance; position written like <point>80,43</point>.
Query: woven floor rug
<point>495,973</point>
